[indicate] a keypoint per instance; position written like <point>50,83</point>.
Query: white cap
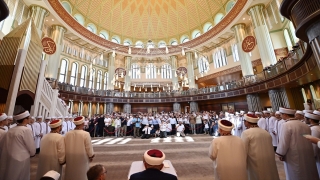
<point>78,120</point>
<point>55,123</point>
<point>154,157</point>
<point>241,112</point>
<point>316,112</point>
<point>21,115</point>
<point>307,111</point>
<point>266,112</point>
<point>225,125</point>
<point>53,174</point>
<point>237,113</point>
<point>48,117</point>
<point>277,112</point>
<point>249,112</point>
<point>260,113</point>
<point>9,117</point>
<point>3,116</point>
<point>251,118</point>
<point>287,111</point>
<point>39,117</point>
<point>312,116</point>
<point>299,112</point>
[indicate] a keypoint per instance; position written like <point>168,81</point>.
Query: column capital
<point>257,16</point>
<point>239,25</point>
<point>33,8</point>
<point>59,27</point>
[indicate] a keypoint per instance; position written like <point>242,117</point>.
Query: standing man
<point>300,115</point>
<point>123,131</point>
<point>3,123</point>
<point>52,156</point>
<point>65,126</point>
<point>294,150</point>
<point>32,128</point>
<point>192,123</point>
<point>228,154</point>
<point>100,125</point>
<point>262,123</point>
<point>79,151</point>
<point>258,144</point>
<point>271,122</point>
<point>38,132</point>
<point>180,129</point>
<point>239,124</point>
<point>47,128</point>
<point>16,148</point>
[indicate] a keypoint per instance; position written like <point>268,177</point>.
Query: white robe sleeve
<point>245,140</point>
<point>88,146</point>
<point>213,151</point>
<point>318,144</point>
<point>284,141</point>
<point>61,151</point>
<point>28,139</point>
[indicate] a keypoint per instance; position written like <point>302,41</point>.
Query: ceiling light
<point>52,19</point>
<point>129,51</point>
<point>46,19</point>
<point>182,52</point>
<point>167,50</point>
<point>244,18</point>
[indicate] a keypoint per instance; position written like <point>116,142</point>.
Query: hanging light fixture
<point>201,74</point>
<point>197,78</point>
<point>129,73</point>
<point>114,53</point>
<point>158,71</point>
<point>180,75</point>
<point>121,75</point>
<point>196,55</point>
<point>129,50</point>
<point>167,50</point>
<point>175,74</point>
<point>140,89</point>
<point>146,89</point>
<point>157,88</point>
<point>117,77</point>
<point>182,52</point>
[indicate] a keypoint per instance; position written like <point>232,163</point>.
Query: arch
<point>104,34</point>
<point>166,71</point>
<point>63,70</point>
<point>196,33</point>
<point>91,27</point>
<point>287,39</point>
<point>293,33</point>
<point>203,65</point>
<point>184,38</point>
<point>66,5</point>
<point>151,71</point>
<point>91,78</point>
<point>116,39</point>
<point>207,27</point>
<point>135,71</point>
<point>173,42</point>
<point>127,42</point>
<point>74,73</point>
<point>24,102</point>
<point>220,58</point>
<point>162,44</point>
<point>218,18</point>
<point>229,6</point>
<point>79,18</point>
<point>83,76</point>
<point>139,44</point>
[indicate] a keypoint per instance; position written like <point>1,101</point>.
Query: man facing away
<point>16,148</point>
<point>258,144</point>
<point>97,172</point>
<point>153,162</point>
<point>3,123</point>
<point>52,156</point>
<point>79,151</point>
<point>295,150</point>
<point>228,154</point>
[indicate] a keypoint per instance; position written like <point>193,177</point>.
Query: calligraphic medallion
<point>248,44</point>
<point>49,46</point>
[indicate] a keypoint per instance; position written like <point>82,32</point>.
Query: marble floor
<point>189,155</point>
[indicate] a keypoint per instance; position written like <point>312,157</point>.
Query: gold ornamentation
<point>248,44</point>
<point>49,46</point>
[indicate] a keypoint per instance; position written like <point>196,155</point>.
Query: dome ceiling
<point>148,19</point>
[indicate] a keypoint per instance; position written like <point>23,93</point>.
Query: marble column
<point>105,108</point>
<point>90,109</point>
<point>38,14</point>
<point>278,98</point>
<point>127,78</point>
<point>110,107</point>
<point>127,108</point>
<point>189,57</point>
<point>71,106</point>
<point>245,61</point>
<point>176,107</point>
<point>98,108</point>
<point>111,70</point>
<point>80,108</point>
<point>194,107</point>
<point>254,103</point>
<point>261,31</point>
<point>57,33</point>
<point>174,69</point>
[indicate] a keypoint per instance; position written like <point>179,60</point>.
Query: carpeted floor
<point>189,156</point>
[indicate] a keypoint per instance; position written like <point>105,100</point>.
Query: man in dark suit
<point>153,162</point>
<point>100,125</point>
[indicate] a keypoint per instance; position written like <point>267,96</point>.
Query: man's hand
<point>312,139</point>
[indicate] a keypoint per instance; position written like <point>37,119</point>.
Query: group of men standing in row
<point>251,155</point>
<point>59,146</point>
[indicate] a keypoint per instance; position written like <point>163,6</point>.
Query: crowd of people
<point>245,143</point>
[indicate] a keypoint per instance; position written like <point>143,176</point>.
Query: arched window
<point>106,78</point>
<point>207,27</point>
<point>79,18</point>
<point>99,79</point>
<point>203,64</point>
<point>220,58</point>
<point>173,42</point>
<point>74,72</point>
<point>127,42</point>
<point>293,33</point>
<point>218,18</point>
<point>83,76</point>
<point>135,71</point>
<point>67,7</point>
<point>104,34</point>
<point>166,71</point>
<point>184,39</point>
<point>115,39</point>
<point>139,44</point>
<point>195,34</point>
<point>151,71</point>
<point>63,70</point>
<point>235,52</point>
<point>162,44</point>
<point>230,5</point>
<point>92,28</point>
<point>91,78</point>
<point>288,39</point>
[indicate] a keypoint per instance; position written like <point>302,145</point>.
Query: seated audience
<point>51,175</point>
<point>97,172</point>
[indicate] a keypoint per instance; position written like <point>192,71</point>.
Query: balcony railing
<point>282,66</point>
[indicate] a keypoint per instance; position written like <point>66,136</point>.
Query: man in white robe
<point>239,124</point>
<point>262,123</point>
<point>46,127</point>
<point>70,124</point>
<point>295,150</point>
<point>31,127</point>
<point>271,122</point>
<point>52,155</point>
<point>73,126</point>
<point>313,120</point>
<point>3,123</point>
<point>38,130</point>
<point>16,148</point>
<point>79,151</point>
<point>228,154</point>
<point>258,144</point>
<point>65,126</point>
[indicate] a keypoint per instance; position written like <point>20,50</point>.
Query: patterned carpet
<point>189,156</point>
